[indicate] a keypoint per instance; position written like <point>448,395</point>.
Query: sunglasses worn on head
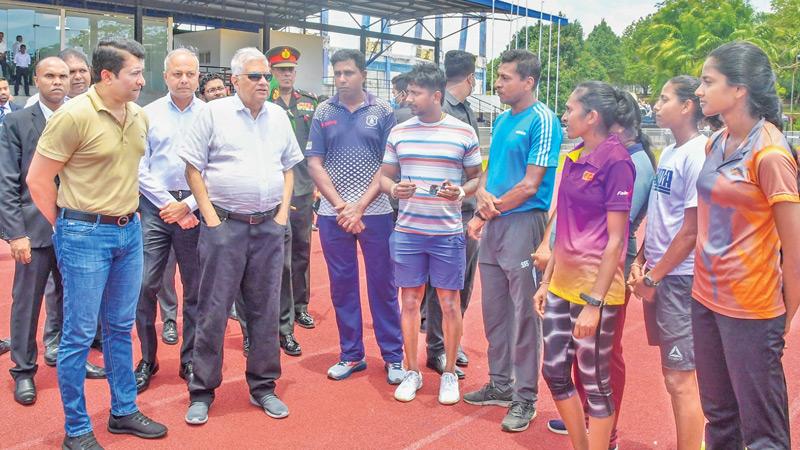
<point>255,77</point>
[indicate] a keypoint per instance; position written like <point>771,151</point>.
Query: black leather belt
<point>93,218</point>
<point>180,195</point>
<point>252,219</point>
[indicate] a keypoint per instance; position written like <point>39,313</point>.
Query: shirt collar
<point>98,104</point>
<point>450,98</point>
<point>598,156</point>
<point>169,100</point>
<point>239,105</point>
<point>45,110</point>
<point>369,100</point>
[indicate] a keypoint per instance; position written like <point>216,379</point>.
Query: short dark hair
<point>205,79</point>
<point>74,53</point>
<point>2,78</point>
<point>23,46</point>
<point>356,56</point>
<point>528,64</point>
<point>110,55</point>
<point>458,65</point>
<point>400,82</point>
<point>426,75</point>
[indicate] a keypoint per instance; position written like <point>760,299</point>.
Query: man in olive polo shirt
<point>94,144</point>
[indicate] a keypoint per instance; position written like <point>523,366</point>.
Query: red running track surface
<point>359,412</point>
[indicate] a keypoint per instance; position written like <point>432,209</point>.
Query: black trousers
<point>167,298</point>
<point>159,238</point>
<point>22,75</point>
<point>741,380</point>
<point>433,318</point>
<point>27,291</point>
<point>236,257</point>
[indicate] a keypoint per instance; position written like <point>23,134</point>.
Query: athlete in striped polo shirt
<point>429,153</point>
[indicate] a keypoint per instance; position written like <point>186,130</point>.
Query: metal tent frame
<point>256,15</point>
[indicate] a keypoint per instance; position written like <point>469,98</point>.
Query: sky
<point>617,13</point>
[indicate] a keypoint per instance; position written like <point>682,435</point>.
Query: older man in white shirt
<point>22,63</point>
<point>239,156</point>
<point>168,207</point>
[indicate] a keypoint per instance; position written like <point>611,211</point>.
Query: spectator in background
<point>399,92</point>
<point>212,87</point>
<point>3,58</point>
<point>22,62</point>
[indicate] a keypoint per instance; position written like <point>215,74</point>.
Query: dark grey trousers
<point>433,319</point>
<point>287,301</point>
<point>301,219</point>
<point>167,298</point>
<point>235,258</point>
<point>741,380</point>
<point>26,293</point>
<point>159,238</point>
<point>512,327</point>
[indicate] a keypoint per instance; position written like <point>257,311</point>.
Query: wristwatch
<point>591,300</point>
<point>649,281</point>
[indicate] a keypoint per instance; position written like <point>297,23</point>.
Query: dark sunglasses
<point>255,77</point>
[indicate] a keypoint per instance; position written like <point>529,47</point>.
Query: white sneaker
<point>448,389</point>
<point>407,390</point>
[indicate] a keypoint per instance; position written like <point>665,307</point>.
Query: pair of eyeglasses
<point>255,77</point>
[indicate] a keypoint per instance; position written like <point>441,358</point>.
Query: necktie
<point>2,113</point>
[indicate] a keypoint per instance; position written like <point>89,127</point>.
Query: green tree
<point>606,47</point>
<point>637,72</point>
<point>681,34</point>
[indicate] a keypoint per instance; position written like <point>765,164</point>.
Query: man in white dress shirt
<point>168,207</point>
<point>239,156</point>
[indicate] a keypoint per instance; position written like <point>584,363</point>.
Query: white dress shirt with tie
<point>161,169</point>
<point>242,159</point>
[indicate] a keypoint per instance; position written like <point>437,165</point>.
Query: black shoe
<point>94,372</point>
<point>136,424</point>
<point>144,371</point>
<point>51,354</point>
<point>461,358</point>
<point>290,346</point>
<point>437,363</point>
<point>5,345</point>
<point>187,371</point>
<point>170,333</point>
<point>304,319</point>
<point>25,391</point>
<point>246,347</point>
<point>83,442</point>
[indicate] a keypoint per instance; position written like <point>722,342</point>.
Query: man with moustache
<point>80,75</point>
<point>167,208</point>
<point>212,87</point>
<point>94,144</point>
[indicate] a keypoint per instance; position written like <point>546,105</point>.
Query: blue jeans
<point>101,268</point>
<point>339,249</point>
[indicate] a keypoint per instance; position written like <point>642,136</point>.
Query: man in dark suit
<point>6,106</point>
<point>24,227</point>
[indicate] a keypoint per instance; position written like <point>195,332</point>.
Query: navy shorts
<point>419,257</point>
<point>668,321</point>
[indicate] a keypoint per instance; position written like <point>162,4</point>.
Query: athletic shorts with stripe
<point>593,355</point>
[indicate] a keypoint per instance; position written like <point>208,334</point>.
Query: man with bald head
<point>80,74</point>
<point>168,210</point>
<point>24,227</point>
